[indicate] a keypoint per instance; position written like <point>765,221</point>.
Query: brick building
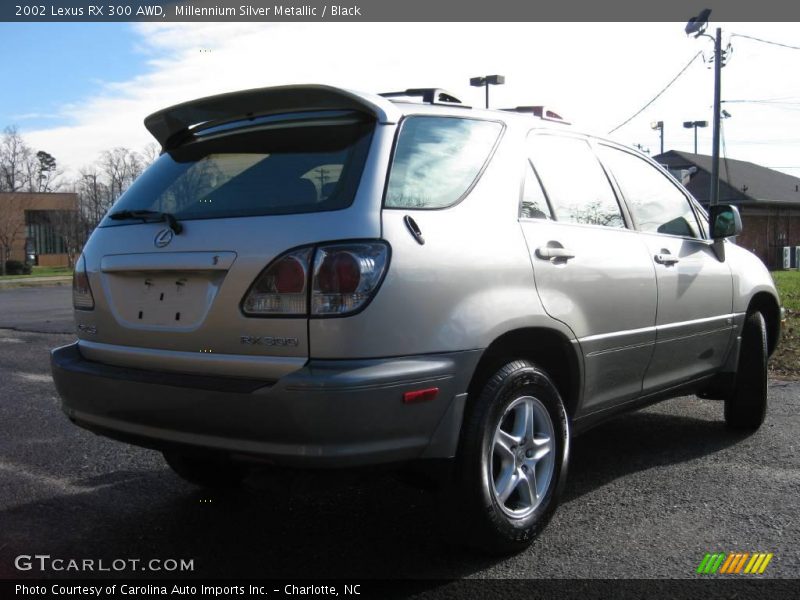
<point>768,200</point>
<point>37,227</point>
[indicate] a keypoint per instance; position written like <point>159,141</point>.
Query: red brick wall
<point>765,232</point>
<point>12,210</point>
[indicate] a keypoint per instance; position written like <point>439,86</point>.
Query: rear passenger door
<point>694,322</point>
<point>591,271</point>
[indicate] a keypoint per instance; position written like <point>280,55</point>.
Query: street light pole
<point>694,125</point>
<point>486,82</point>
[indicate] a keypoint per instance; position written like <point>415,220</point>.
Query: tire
<point>206,471</point>
<point>498,506</point>
<point>746,405</point>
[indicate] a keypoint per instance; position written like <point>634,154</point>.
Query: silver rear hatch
<point>171,265</point>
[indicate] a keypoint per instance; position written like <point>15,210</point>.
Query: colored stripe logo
<point>733,563</point>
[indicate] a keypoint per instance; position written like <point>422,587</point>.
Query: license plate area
<point>173,300</point>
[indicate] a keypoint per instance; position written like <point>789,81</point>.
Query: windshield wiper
<point>148,216</point>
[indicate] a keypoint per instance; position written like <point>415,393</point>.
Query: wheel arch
<point>548,348</point>
<point>767,305</point>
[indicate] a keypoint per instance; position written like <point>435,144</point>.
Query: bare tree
<point>120,166</point>
<point>149,154</point>
<point>22,169</point>
<point>15,161</point>
<point>70,226</point>
<point>100,184</point>
<point>94,196</point>
<point>12,225</point>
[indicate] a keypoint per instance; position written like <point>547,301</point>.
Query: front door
<point>694,323</point>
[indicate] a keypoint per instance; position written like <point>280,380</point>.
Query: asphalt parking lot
<point>648,494</point>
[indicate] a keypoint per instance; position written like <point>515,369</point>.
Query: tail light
<point>281,287</point>
<point>343,279</point>
<point>346,276</point>
<point>82,298</point>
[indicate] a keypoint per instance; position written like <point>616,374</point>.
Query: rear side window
<point>534,204</point>
<point>574,181</point>
<point>437,159</point>
<point>299,166</point>
<point>656,204</point>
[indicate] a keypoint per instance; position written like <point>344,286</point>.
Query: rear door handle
<point>665,258</point>
<point>554,252</point>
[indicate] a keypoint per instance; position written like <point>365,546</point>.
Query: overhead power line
<point>781,100</point>
<point>750,37</point>
<point>657,96</point>
<point>790,106</point>
<point>764,102</point>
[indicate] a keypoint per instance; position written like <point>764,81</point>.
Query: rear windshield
<point>284,167</point>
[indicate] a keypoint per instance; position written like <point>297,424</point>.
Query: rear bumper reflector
<point>417,396</point>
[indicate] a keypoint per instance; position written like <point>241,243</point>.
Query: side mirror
<point>725,221</point>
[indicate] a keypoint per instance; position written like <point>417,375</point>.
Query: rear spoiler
<point>170,125</point>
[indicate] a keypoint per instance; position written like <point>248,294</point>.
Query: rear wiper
<point>148,216</point>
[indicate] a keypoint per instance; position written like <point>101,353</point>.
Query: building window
<point>42,237</point>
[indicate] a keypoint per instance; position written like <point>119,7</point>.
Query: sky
<point>76,89</point>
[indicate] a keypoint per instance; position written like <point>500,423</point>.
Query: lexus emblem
<point>163,238</point>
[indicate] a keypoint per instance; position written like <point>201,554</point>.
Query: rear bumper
<point>326,414</point>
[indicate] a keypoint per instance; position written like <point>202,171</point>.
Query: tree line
<point>24,169</point>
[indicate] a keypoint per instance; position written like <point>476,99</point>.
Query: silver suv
<point>315,277</point>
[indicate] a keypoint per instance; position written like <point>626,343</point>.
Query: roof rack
<point>428,95</point>
<point>542,112</point>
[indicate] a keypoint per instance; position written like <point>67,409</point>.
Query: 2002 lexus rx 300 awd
<point>315,277</point>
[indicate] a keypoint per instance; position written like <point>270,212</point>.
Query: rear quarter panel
<point>468,284</point>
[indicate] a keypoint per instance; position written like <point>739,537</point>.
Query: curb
<point>35,282</point>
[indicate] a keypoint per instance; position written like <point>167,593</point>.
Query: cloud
<point>595,74</point>
<point>33,115</point>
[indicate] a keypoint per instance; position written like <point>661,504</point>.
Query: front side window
<point>656,204</point>
<point>437,160</point>
<point>301,166</point>
<point>574,181</point>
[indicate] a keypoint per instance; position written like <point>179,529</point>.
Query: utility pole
<point>697,27</point>
<point>714,197</point>
<point>659,126</point>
